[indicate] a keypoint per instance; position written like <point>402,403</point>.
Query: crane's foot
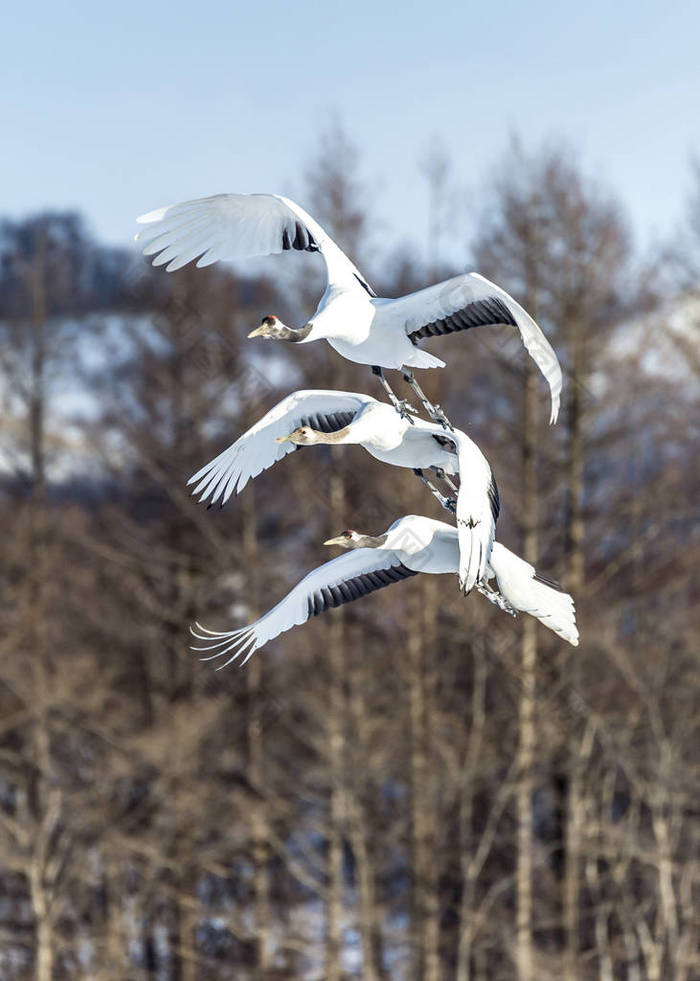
<point>405,409</point>
<point>448,503</point>
<point>493,596</point>
<point>441,475</point>
<point>434,411</point>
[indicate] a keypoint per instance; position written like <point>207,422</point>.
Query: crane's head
<point>273,327</point>
<point>269,327</point>
<point>353,539</point>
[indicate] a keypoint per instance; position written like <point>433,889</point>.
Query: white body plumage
<point>411,545</point>
<point>360,326</point>
<point>351,418</point>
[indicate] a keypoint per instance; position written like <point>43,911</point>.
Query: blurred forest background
<point>413,787</point>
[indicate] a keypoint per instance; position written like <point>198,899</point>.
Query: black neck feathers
<point>292,334</point>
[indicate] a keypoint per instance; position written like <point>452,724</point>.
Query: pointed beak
<point>335,541</point>
<point>257,332</point>
<point>284,439</point>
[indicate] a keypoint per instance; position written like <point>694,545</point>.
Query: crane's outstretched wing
<point>469,301</point>
<point>238,226</point>
<point>477,511</point>
<point>256,450</point>
<point>532,593</point>
<point>342,580</point>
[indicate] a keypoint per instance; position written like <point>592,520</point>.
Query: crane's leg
<point>493,596</point>
<point>448,503</point>
<point>401,405</point>
<point>434,411</point>
<point>441,475</point>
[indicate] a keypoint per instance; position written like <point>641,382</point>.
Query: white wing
<point>237,226</point>
<point>349,577</point>
<point>477,511</point>
<point>257,450</point>
<point>534,594</point>
<point>469,301</point>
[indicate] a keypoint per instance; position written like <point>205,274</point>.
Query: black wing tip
<point>302,240</point>
<point>490,312</point>
<point>365,285</point>
<point>546,581</point>
<point>330,597</point>
<point>494,498</point>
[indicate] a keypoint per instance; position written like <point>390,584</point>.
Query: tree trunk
<point>183,940</point>
<point>420,802</point>
<point>336,715</point>
<point>47,801</point>
<point>570,782</point>
<point>258,813</point>
<point>359,829</point>
<point>528,660</point>
<point>576,460</point>
<point>466,813</point>
<point>44,950</point>
<point>431,926</point>
<point>115,941</point>
<point>572,832</point>
<point>180,676</point>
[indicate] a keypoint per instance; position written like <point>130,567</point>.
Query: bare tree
<point>415,785</point>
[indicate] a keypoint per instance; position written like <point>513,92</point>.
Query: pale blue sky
<point>116,109</point>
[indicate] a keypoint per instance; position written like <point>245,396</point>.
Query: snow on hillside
<point>665,341</point>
